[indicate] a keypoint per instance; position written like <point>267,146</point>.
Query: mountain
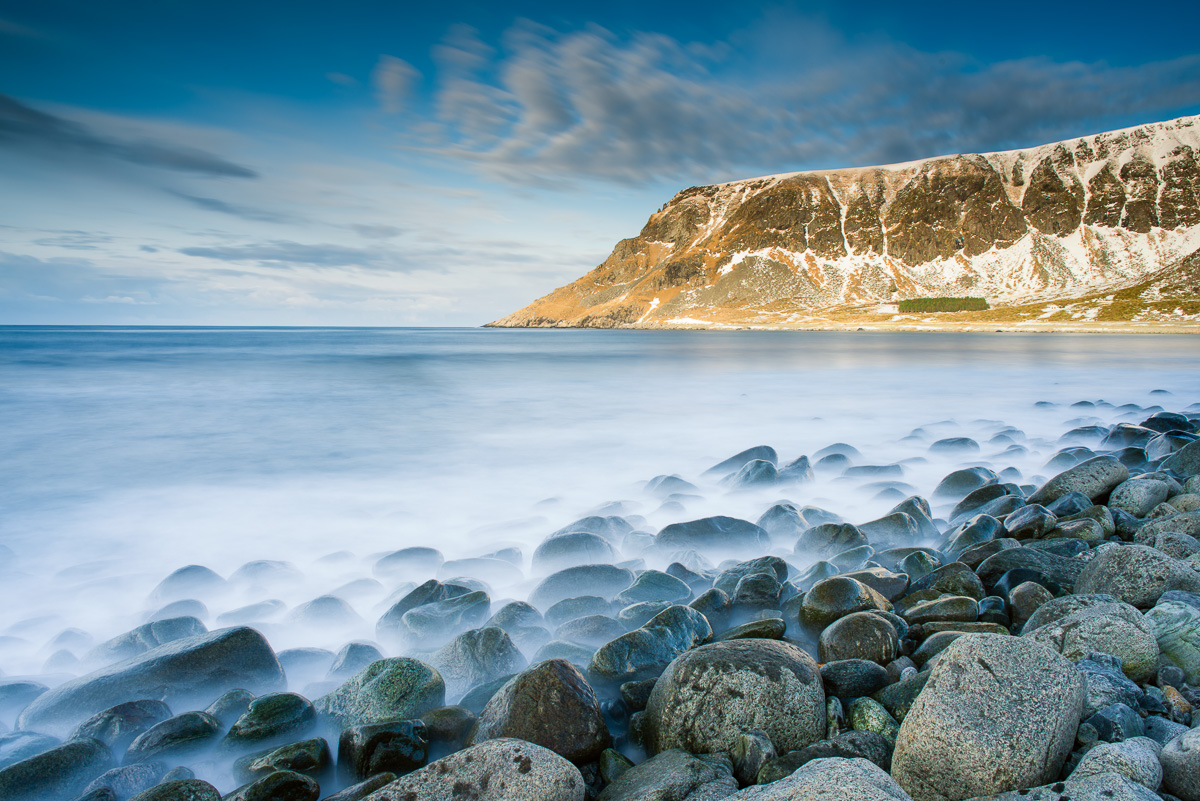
<point>1069,220</point>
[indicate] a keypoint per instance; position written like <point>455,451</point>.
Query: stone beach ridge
<point>1002,636</point>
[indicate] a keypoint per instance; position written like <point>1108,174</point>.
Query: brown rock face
<point>1043,223</point>
<point>1049,205</point>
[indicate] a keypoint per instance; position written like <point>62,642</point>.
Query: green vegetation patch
<point>943,305</point>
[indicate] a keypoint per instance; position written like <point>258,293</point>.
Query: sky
<point>176,162</point>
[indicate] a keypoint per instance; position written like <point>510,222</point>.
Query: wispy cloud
<point>283,253</point>
<point>552,107</point>
<point>74,240</point>
<point>394,80</point>
<point>28,129</point>
<point>233,209</point>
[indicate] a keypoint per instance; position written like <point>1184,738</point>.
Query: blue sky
<point>395,163</point>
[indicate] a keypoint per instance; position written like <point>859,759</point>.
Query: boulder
<point>1180,760</point>
<point>1094,478</point>
<point>718,536</point>
<point>604,581</point>
<point>1102,787</point>
<point>862,635</point>
<point>674,774</point>
<point>838,596</point>
<point>708,696</point>
<point>1117,629</point>
<point>550,704</point>
<point>1136,574</point>
<point>997,713</point>
<point>395,746</point>
<point>829,779</point>
<point>644,652</point>
<point>476,657</point>
<point>1135,759</point>
<point>497,770</point>
<point>57,774</point>
<point>390,689</point>
<point>1176,626</point>
<point>192,670</point>
<point>180,790</point>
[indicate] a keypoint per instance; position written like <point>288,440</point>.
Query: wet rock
<point>1030,522</point>
<point>180,737</point>
<point>1136,574</point>
<point>637,615</point>
<point>898,698</point>
<point>282,785</point>
<point>58,773</point>
<point>888,584</point>
<point>577,607</point>
<point>1117,629</point>
<point>832,598</point>
<point>707,696</point>
<point>1107,683</point>
<point>475,657</point>
<point>674,774</point>
<point>552,705</point>
<point>1094,478</point>
<point>571,550</point>
<point>310,757</point>
<point>1185,461</point>
<point>643,653</point>
<point>596,580</point>
<point>713,535</point>
<point>394,746</point>
<point>192,581</point>
<point>1112,724</point>
<point>1138,496</point>
<point>18,745</point>
<point>436,623</point>
<point>750,752</point>
<point>1102,787</point>
<point>497,770</point>
<point>390,689</point>
<point>958,484</point>
<point>118,726</point>
<point>269,719</point>
<point>191,669</point>
<point>829,779</point>
<point>739,460</point>
<point>127,781</point>
<point>861,635</point>
<point>145,638</point>
<point>830,538</point>
<point>653,585</point>
<point>180,790</point>
<point>595,630</point>
<point>850,678</point>
<point>768,628</point>
<point>229,706</point>
<point>755,473</point>
<point>998,713</point>
<point>1052,570</point>
<point>409,563</point>
<point>958,608</point>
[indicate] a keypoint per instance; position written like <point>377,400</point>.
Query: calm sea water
<point>127,453</point>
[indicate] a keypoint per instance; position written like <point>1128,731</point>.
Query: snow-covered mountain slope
<point>1061,220</point>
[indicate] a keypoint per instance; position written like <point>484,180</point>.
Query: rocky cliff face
<point>1096,213</point>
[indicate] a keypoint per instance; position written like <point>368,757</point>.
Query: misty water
<point>129,453</point>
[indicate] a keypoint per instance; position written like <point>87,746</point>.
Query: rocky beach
<point>1023,622</point>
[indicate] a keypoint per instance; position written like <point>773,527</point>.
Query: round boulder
<point>862,635</point>
<point>998,713</point>
<point>1117,629</point>
<point>1180,760</point>
<point>836,597</point>
<point>710,695</point>
<point>1136,574</point>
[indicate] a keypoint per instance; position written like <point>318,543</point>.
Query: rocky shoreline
<point>1008,635</point>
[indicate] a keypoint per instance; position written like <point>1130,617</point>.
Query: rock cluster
<point>1007,638</point>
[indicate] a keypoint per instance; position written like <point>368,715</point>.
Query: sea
<point>128,453</point>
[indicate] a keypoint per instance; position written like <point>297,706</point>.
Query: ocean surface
<point>130,452</point>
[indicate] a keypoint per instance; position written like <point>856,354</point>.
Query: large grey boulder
<point>1102,787</point>
<point>674,774</point>
<point>193,670</point>
<point>1135,759</point>
<point>1117,629</point>
<point>998,713</point>
<point>644,652</point>
<point>1094,478</point>
<point>829,779</point>
<point>498,770</point>
<point>1136,574</point>
<point>58,773</point>
<point>709,696</point>
<point>476,657</point>
<point>388,689</point>
<point>1180,760</point>
<point>1176,626</point>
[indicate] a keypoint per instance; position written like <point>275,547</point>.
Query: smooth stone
<point>1180,759</point>
<point>707,696</point>
<point>390,689</point>
<point>1117,629</point>
<point>975,555</point>
<point>118,726</point>
<point>191,670</point>
<point>1182,523</point>
<point>955,578</point>
<point>1136,574</point>
<point>550,704</point>
<point>768,628</point>
<point>827,539</point>
<point>449,725</point>
<point>571,550</point>
<point>713,536</point>
<point>357,792</point>
<point>653,585</point>
<point>1030,522</point>
<point>127,781</point>
<point>476,657</point>
<point>277,786</point>
<point>144,638</point>
<point>899,697</point>
<point>1138,496</point>
<point>1094,478</point>
<point>179,737</point>
<point>415,563</point>
<point>638,615</point>
<point>353,657</point>
<point>755,473</point>
<point>1176,545</point>
<point>829,779</point>
<point>180,790</point>
<point>852,744</point>
<point>436,623</point>
<point>577,607</point>
<point>978,530</point>
<point>1084,530</point>
<point>1058,570</point>
<point>326,611</point>
<point>18,745</point>
<point>497,770</point>
<point>1114,723</point>
<point>750,752</point>
<point>674,774</point>
<point>578,655</point>
<point>599,580</point>
<point>998,713</point>
<point>643,653</point>
<point>729,578</point>
<point>269,718</point>
<point>1185,461</point>
<point>888,584</point>
<point>1107,683</point>
<point>56,774</point>
<point>394,746</point>
<point>192,581</point>
<point>955,607</point>
<point>739,460</point>
<point>595,630</point>
<point>838,596</point>
<point>861,635</point>
<point>310,757</point>
<point>957,484</point>
<point>1058,608</point>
